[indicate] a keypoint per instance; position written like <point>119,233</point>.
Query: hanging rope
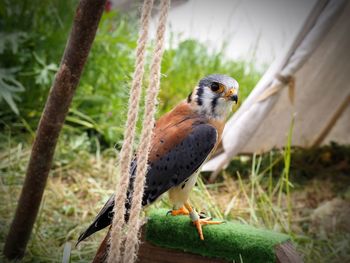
<point>288,81</point>
<point>129,135</point>
<point>132,239</point>
<point>117,237</point>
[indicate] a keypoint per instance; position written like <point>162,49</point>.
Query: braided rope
<point>129,135</point>
<point>288,81</point>
<point>132,239</point>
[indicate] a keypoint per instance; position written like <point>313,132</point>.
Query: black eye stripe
<point>214,102</point>
<point>199,96</point>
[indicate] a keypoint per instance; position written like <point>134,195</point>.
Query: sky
<point>263,26</point>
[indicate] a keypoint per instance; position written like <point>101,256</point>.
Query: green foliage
<point>32,39</point>
<point>9,86</point>
<point>101,99</point>
<point>33,45</point>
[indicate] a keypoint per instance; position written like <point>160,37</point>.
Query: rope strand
<point>129,135</point>
<point>132,239</point>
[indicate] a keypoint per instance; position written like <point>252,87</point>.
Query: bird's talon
<point>202,222</point>
<point>181,211</point>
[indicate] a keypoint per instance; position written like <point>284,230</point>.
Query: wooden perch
<point>87,17</point>
<point>170,239</point>
<point>149,253</point>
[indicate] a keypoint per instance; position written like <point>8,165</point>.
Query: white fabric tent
<point>319,60</point>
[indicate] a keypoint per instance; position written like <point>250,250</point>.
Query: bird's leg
<point>198,222</point>
<point>180,211</point>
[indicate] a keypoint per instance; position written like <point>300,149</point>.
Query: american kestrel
<point>182,140</point>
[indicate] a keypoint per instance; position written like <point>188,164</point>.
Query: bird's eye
<point>216,87</point>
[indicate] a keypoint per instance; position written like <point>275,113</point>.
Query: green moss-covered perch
<point>230,241</point>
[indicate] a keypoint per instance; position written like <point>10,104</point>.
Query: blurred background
<point>238,38</point>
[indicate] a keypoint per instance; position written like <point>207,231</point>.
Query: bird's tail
<point>105,216</point>
<point>102,220</point>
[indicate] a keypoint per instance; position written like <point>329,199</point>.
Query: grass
<point>268,195</point>
<point>254,192</point>
<point>71,181</point>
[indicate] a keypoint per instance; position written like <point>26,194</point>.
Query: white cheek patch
<point>207,98</point>
<point>222,108</point>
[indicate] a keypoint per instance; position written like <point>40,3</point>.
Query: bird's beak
<point>231,94</point>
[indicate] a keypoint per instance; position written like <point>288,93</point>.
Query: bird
<point>183,139</point>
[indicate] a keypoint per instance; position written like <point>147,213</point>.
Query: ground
<point>310,205</point>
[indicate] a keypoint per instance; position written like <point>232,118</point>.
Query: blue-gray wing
<point>180,162</point>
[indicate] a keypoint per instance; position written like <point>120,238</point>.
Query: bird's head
<point>214,95</point>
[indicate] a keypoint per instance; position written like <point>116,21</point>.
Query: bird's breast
<point>179,194</point>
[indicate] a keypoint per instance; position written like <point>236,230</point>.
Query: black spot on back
<point>174,180</point>
<point>175,167</point>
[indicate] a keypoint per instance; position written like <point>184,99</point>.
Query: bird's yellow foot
<point>181,211</point>
<point>202,222</point>
<point>198,221</point>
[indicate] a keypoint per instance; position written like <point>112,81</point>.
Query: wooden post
<point>87,17</point>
